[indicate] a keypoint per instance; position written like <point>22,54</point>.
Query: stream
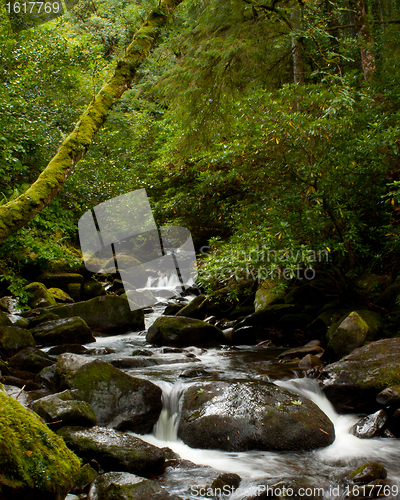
<point>324,468</point>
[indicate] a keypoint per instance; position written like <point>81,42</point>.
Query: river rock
<point>119,400</point>
<point>91,289</point>
<point>196,308</point>
<point>60,280</point>
<point>30,359</point>
<point>38,317</point>
<point>125,486</point>
<point>300,352</point>
<point>4,319</point>
<point>370,426</point>
<point>389,396</point>
<point>114,450</point>
<point>268,293</point>
<point>62,331</point>
<point>60,296</point>
<point>107,313</point>
<point>354,381</point>
<point>251,416</point>
<point>39,295</point>
<point>14,339</point>
<point>310,361</point>
<point>353,331</point>
<point>367,473</point>
<point>179,331</point>
<point>64,409</point>
<point>35,462</point>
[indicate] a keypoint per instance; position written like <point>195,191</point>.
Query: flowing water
<point>324,468</point>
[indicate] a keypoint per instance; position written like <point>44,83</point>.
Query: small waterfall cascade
<point>169,282</point>
<point>166,429</point>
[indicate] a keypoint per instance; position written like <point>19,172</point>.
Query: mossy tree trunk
<point>366,41</point>
<point>16,213</point>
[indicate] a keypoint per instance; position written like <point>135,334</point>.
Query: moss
<point>13,339</point>
<point>268,293</point>
<point>4,319</point>
<point>41,297</point>
<point>31,455</point>
<point>60,296</point>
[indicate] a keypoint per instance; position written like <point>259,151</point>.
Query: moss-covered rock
<point>74,290</point>
<point>37,319</point>
<point>268,293</point>
<point>86,475</point>
<point>62,331</point>
<point>40,296</point>
<point>114,450</point>
<point>350,334</point>
<point>60,296</point>
<point>30,359</point>
<point>196,308</point>
<point>14,339</point>
<point>124,486</point>
<point>105,314</point>
<point>354,381</point>
<point>180,331</point>
<point>245,416</point>
<point>4,319</point>
<point>367,473</point>
<point>119,400</point>
<point>64,409</point>
<point>35,464</point>
<point>91,289</point>
<point>60,280</point>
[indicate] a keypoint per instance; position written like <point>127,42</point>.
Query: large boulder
<point>60,296</point>
<point>269,292</point>
<point>251,416</point>
<point>119,400</point>
<point>353,331</point>
<point>92,288</point>
<point>107,313</point>
<point>62,331</point>
<point>353,383</point>
<point>4,319</point>
<point>113,450</point>
<point>125,486</point>
<point>39,295</point>
<point>14,339</point>
<point>60,280</point>
<point>64,409</point>
<point>179,331</point>
<point>35,464</point>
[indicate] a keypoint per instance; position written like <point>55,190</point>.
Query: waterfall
<point>166,429</point>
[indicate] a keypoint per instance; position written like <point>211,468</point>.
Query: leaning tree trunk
<point>16,213</point>
<point>367,44</point>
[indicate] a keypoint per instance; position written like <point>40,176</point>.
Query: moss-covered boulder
<point>92,288</point>
<point>114,450</point>
<point>86,475</point>
<point>30,359</point>
<point>39,295</point>
<point>353,383</point>
<point>251,416</point>
<point>353,331</point>
<point>119,400</point>
<point>35,318</point>
<point>197,308</point>
<point>367,473</point>
<point>60,296</point>
<point>268,293</point>
<point>63,331</point>
<point>14,339</point>
<point>4,319</point>
<point>64,409</point>
<point>35,464</point>
<point>179,331</point>
<point>125,486</point>
<point>107,313</point>
<point>60,280</point>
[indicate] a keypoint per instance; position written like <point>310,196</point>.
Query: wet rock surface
<point>62,331</point>
<point>353,383</point>
<point>113,450</point>
<point>125,486</point>
<point>119,400</point>
<point>180,331</point>
<point>249,415</point>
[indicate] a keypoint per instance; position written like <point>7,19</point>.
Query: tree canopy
<point>258,125</point>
